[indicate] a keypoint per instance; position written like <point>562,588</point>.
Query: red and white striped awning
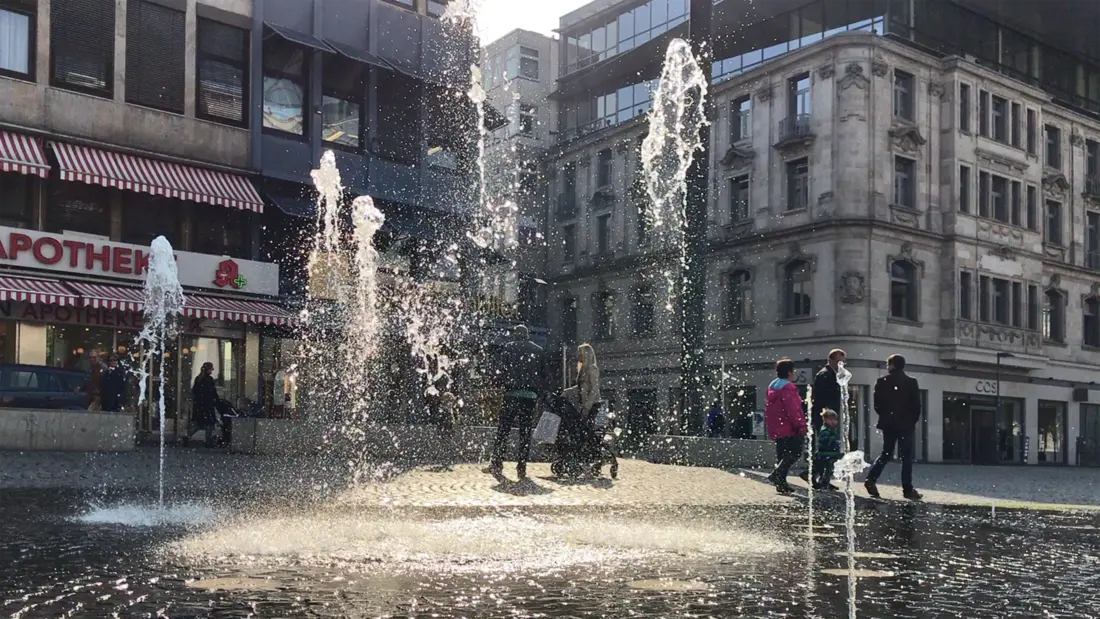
<point>105,296</point>
<point>48,291</point>
<point>23,154</point>
<point>160,178</point>
<point>219,308</point>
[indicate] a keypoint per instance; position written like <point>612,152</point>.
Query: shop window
<point>145,217</point>
<point>79,207</point>
<point>342,102</point>
<point>1054,317</point>
<point>398,133</point>
<point>738,298</point>
<point>8,330</point>
<point>16,206</point>
<point>226,354</point>
<point>797,283</point>
<point>17,30</point>
<point>154,55</point>
<point>220,231</point>
<point>643,312</point>
<point>1088,442</point>
<point>221,65</point>
<point>286,79</point>
<point>82,45</point>
<point>904,300</point>
<point>72,347</point>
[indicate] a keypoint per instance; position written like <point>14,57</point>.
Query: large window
<point>964,189</point>
<point>568,243</point>
<point>82,45</point>
<point>622,32</point>
<point>1091,322</point>
<point>342,101</point>
<point>905,182</point>
<point>738,298</point>
<point>618,106</point>
<point>145,217</point>
<point>285,86</point>
<point>220,231</point>
<point>904,95</point>
<point>741,119</point>
<point>1054,317</point>
<point>15,200</point>
<point>605,315</point>
<point>798,95</point>
<point>739,199</point>
<point>1054,147</point>
<point>798,184</point>
<point>643,312</point>
<point>17,28</point>
<point>603,234</point>
<point>605,168</point>
<point>904,300</point>
<point>154,55</point>
<point>797,284</point>
<point>1054,223</point>
<point>221,67</point>
<point>79,207</point>
<point>1051,446</point>
<point>528,63</point>
<point>398,133</point>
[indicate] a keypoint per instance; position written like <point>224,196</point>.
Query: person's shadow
<point>602,483</point>
<point>523,487</point>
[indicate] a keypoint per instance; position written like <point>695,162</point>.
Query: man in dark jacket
<point>112,386</point>
<point>826,395</point>
<point>204,400</point>
<point>897,403</point>
<point>519,371</point>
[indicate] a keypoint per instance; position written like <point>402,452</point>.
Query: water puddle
<point>149,515</point>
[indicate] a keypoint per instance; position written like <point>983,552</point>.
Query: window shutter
<point>222,72</point>
<point>154,56</point>
<point>82,41</point>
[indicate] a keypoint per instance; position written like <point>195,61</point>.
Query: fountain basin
<point>59,430</point>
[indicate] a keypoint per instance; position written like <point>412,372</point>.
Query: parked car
<point>39,386</point>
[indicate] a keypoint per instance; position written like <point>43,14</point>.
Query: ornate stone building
<point>867,193</point>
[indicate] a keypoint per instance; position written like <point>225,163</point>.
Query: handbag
<point>546,432</point>
<point>603,414</point>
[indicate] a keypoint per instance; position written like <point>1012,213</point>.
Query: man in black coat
<point>204,401</point>
<point>826,395</point>
<point>519,372</point>
<point>112,386</point>
<point>898,405</point>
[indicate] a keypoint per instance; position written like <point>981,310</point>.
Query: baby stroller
<point>224,413</point>
<point>582,446</point>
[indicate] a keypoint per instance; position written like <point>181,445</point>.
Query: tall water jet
<point>364,325</point>
<point>849,466</point>
<point>163,306</point>
<point>810,437</point>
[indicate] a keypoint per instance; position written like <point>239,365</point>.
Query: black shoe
<point>783,487</point>
<point>832,487</point>
<point>872,489</point>
<point>496,469</point>
<point>804,476</point>
<point>912,495</point>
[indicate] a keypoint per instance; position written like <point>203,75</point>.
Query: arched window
<point>738,298</point>
<point>1092,322</point>
<point>1054,317</point>
<point>569,320</point>
<point>797,285</point>
<point>903,290</point>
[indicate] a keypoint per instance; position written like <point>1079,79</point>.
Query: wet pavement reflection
<point>247,558</point>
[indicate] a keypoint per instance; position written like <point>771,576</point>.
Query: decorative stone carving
<point>1009,234</point>
<point>1055,281</point>
<point>1002,251</point>
<point>904,216</point>
<point>999,163</point>
<point>906,255</point>
<point>826,71</point>
<point>1055,184</point>
<point>738,157</point>
<point>604,196</point>
<point>879,67</point>
<point>936,89</point>
<point>1076,139</point>
<point>907,138</point>
<point>853,287</point>
<point>824,207</point>
<point>584,162</point>
<point>1055,252</point>
<point>853,76</point>
<point>795,254</point>
<point>622,147</point>
<point>764,94</point>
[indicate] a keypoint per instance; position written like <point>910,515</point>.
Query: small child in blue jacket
<point>828,451</point>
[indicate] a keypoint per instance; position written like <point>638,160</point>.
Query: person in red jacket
<point>786,423</point>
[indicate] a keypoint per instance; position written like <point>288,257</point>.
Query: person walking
<point>93,385</point>
<point>786,423</point>
<point>519,370</point>
<point>897,404</point>
<point>826,396</point>
<point>828,451</point>
<point>716,420</point>
<point>112,386</point>
<point>204,401</point>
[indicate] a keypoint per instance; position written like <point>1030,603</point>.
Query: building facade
<point>121,122</point>
<point>518,74</point>
<point>917,181</point>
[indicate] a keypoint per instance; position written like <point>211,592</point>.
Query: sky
<point>498,17</point>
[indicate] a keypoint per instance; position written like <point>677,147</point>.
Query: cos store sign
<point>89,256</point>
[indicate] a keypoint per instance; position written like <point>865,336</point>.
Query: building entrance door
<point>983,435</point>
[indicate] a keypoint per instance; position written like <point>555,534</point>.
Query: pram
<point>582,447</point>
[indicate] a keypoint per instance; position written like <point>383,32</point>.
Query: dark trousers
<point>903,442</point>
<point>787,452</point>
<point>516,412</point>
<point>823,469</point>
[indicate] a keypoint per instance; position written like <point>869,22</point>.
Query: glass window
<point>983,298</point>
<point>342,101</point>
<point>603,234</point>
<point>605,316</point>
<point>798,282</point>
<point>221,63</point>
<point>82,45</point>
<point>145,217</point>
<point>1033,307</point>
<point>1054,223</point>
<point>7,341</point>
<point>605,172</point>
<point>612,39</point>
<point>999,195</point>
<point>641,24</point>
<point>643,312</point>
<point>1054,147</point>
<point>658,14</point>
<point>16,207</point>
<point>1032,208</point>
<point>72,347</point>
<point>1092,322</point>
<point>798,184</point>
<point>1000,119</point>
<point>79,207</point>
<point>964,189</point>
<point>904,182</point>
<point>220,231</point>
<point>529,63</point>
<point>1054,317</point>
<point>983,194</point>
<point>569,243</point>
<point>903,291</point>
<point>799,102</point>
<point>965,290</point>
<point>285,80</point>
<point>1032,130</point>
<point>569,320</point>
<point>983,113</point>
<point>741,119</point>
<point>528,119</point>
<point>739,199</point>
<point>227,355</point>
<point>1051,446</point>
<point>1001,301</point>
<point>16,50</point>
<point>398,133</point>
<point>626,31</point>
<point>964,107</point>
<point>903,95</point>
<point>738,298</point>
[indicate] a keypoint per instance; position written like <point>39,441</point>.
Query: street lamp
<point>693,294</point>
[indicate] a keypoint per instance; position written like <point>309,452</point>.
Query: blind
<point>154,56</point>
<point>82,45</point>
<point>222,66</point>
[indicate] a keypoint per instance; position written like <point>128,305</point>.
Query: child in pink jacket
<point>786,422</point>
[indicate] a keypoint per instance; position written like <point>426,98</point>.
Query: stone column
<point>852,140</point>
<point>120,50</point>
<point>191,38</point>
<point>42,45</point>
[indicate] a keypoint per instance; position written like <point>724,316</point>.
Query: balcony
<point>795,132</point>
<point>566,206</point>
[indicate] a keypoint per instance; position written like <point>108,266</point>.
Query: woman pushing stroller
<point>581,446</point>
